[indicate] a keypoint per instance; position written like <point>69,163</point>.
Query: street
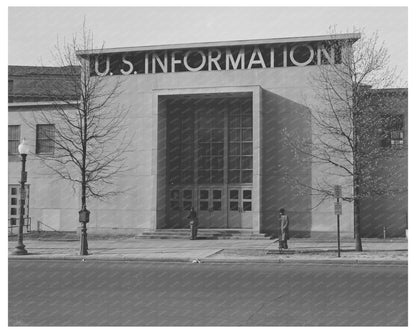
<point>108,293</point>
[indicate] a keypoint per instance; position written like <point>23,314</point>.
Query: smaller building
<point>32,90</point>
<point>385,212</point>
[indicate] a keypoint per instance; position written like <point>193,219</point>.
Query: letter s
<point>127,63</point>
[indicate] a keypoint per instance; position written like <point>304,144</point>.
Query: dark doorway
<point>210,160</point>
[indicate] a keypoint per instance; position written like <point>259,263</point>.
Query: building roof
<point>41,83</point>
<point>43,70</point>
<point>350,36</point>
<point>390,91</point>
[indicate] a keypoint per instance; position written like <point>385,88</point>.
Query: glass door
<point>239,207</point>
<point>180,202</point>
<point>211,208</point>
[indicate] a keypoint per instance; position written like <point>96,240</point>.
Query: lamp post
<point>23,151</point>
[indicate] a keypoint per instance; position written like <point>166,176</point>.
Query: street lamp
<point>23,151</point>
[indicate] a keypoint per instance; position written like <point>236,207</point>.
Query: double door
<point>216,206</point>
<point>180,201</point>
<point>212,211</point>
<point>240,207</point>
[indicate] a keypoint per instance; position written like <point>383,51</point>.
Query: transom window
<point>210,141</point>
<point>211,147</point>
<point>240,151</point>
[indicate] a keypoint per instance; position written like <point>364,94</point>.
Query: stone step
<point>222,231</point>
<point>183,233</point>
<point>237,234</point>
<point>201,237</point>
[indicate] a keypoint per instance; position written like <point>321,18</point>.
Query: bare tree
<point>347,123</point>
<point>88,129</point>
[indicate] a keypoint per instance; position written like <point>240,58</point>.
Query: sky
<point>34,31</point>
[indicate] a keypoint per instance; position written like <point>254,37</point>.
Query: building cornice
<point>349,36</point>
<point>46,103</point>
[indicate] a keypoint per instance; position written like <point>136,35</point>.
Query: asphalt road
<point>67,293</point>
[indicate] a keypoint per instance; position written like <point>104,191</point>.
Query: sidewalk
<point>380,252</point>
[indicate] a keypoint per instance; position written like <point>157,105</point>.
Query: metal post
<point>20,248</point>
<point>84,244</point>
<point>339,241</point>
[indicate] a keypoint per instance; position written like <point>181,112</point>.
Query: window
<point>14,203</point>
<point>45,135</point>
<point>240,146</point>
<point>180,134</point>
<point>396,138</point>
<point>14,139</point>
<point>392,131</point>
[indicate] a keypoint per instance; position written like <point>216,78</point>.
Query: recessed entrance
<point>209,160</point>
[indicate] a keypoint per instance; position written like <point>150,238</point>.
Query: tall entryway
<point>209,160</point>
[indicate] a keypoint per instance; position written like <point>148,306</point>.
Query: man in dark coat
<point>193,223</point>
<point>284,229</point>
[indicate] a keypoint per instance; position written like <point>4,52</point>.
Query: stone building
<point>207,123</point>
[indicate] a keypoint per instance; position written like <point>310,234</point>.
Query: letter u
<point>107,66</point>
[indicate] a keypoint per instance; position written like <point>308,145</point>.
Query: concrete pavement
<point>383,252</point>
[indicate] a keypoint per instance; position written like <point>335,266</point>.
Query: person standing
<point>192,216</point>
<point>284,229</point>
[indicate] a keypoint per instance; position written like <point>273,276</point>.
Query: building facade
<point>31,91</point>
<point>387,215</point>
<point>207,123</point>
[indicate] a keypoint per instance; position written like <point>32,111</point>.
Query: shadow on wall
<point>281,166</point>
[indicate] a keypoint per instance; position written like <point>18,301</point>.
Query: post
<point>84,244</point>
<point>84,218</point>
<point>339,241</point>
<point>20,248</point>
<point>338,212</point>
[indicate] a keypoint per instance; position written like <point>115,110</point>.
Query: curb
<point>273,240</point>
<point>94,258</point>
<point>312,262</point>
<point>335,261</point>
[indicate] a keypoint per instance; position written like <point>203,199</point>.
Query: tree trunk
<point>356,181</point>
<point>84,161</point>
<point>357,226</point>
<point>84,241</point>
<point>83,195</point>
